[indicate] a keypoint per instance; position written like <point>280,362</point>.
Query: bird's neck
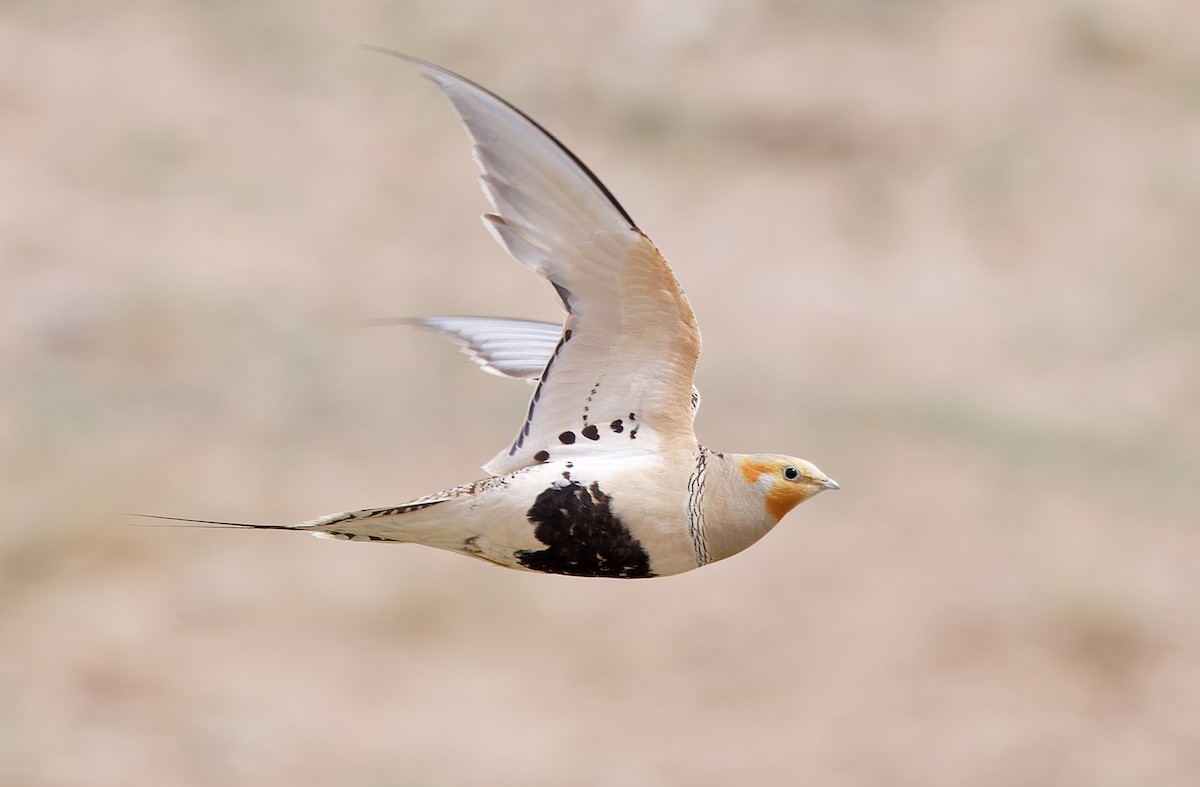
<point>732,509</point>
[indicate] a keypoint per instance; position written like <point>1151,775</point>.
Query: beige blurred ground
<point>948,251</point>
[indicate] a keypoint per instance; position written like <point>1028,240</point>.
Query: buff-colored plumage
<point>605,476</point>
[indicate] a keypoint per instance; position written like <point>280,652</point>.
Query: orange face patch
<point>783,495</point>
<point>752,470</point>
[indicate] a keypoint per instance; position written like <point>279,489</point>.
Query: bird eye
<point>791,473</point>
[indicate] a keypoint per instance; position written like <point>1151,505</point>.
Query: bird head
<point>783,482</point>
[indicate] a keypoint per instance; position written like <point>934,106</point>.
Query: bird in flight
<point>605,477</point>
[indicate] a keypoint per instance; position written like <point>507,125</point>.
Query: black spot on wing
<point>541,456</point>
<point>566,438</point>
<point>591,432</point>
<point>617,426</point>
<point>583,537</point>
<point>587,403</point>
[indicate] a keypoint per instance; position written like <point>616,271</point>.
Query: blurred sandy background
<point>950,252</point>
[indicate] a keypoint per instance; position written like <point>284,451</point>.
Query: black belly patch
<point>583,537</point>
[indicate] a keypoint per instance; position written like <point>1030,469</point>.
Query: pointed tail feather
<point>209,523</point>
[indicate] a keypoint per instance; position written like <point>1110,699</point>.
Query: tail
<point>210,523</point>
<point>322,527</point>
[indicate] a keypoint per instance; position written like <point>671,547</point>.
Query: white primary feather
<point>502,346</point>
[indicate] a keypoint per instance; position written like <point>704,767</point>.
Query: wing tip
<point>442,77</point>
<point>445,79</point>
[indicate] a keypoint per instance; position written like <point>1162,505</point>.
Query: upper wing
<point>620,377</point>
